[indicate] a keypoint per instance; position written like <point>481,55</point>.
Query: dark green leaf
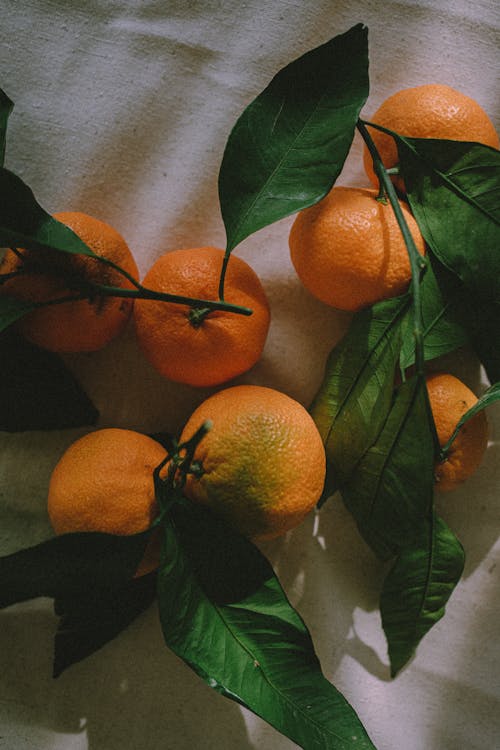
<point>12,309</point>
<point>418,587</point>
<point>37,391</point>
<point>483,323</point>
<point>92,619</point>
<point>489,397</point>
<point>443,329</point>
<point>392,488</point>
<point>224,613</point>
<point>352,403</point>
<point>288,147</point>
<point>5,109</point>
<point>70,566</point>
<point>25,224</point>
<point>454,192</point>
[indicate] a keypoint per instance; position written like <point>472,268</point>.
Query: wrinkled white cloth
<point>122,110</point>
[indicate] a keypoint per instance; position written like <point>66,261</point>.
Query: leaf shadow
<point>132,693</point>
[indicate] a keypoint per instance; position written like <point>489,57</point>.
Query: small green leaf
<point>353,401</point>
<point>418,587</point>
<point>391,490</point>
<point>489,397</point>
<point>443,331</point>
<point>5,109</point>
<point>289,145</point>
<point>25,224</point>
<point>225,614</point>
<point>454,192</point>
<point>37,390</point>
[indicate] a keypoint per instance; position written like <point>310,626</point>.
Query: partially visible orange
<point>222,344</point>
<point>263,460</point>
<point>429,111</point>
<point>450,399</point>
<point>104,482</point>
<point>82,325</point>
<point>348,249</point>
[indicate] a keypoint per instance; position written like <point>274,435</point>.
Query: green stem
<point>418,264</point>
<point>222,277</point>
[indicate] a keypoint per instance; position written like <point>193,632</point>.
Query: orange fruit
<point>80,325</point>
<point>450,399</point>
<point>429,111</point>
<point>263,461</point>
<point>223,344</point>
<point>104,482</point>
<point>348,250</point>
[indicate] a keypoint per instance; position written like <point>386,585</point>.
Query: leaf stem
<point>418,264</point>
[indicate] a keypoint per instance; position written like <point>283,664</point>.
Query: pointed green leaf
<point>25,224</point>
<point>454,192</point>
<point>288,147</point>
<point>92,619</point>
<point>352,403</point>
<point>392,488</point>
<point>12,309</point>
<point>489,397</point>
<point>225,614</point>
<point>5,109</point>
<point>443,329</point>
<point>37,390</point>
<point>418,587</point>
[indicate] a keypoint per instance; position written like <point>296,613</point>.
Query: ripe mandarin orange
<point>348,250</point>
<point>222,344</point>
<point>428,111</point>
<point>450,399</point>
<point>263,460</point>
<point>104,482</point>
<point>80,325</point>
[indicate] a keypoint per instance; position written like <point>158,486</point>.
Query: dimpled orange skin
<point>263,460</point>
<point>428,111</point>
<point>450,399</point>
<point>348,250</point>
<point>225,344</point>
<point>81,325</point>
<point>104,482</point>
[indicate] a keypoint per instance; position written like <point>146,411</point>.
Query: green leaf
<point>443,329</point>
<point>5,109</point>
<point>353,401</point>
<point>12,309</point>
<point>37,391</point>
<point>288,147</point>
<point>391,491</point>
<point>25,224</point>
<point>491,395</point>
<point>92,619</point>
<point>483,323</point>
<point>454,192</point>
<point>418,587</point>
<point>90,577</point>
<point>225,614</point>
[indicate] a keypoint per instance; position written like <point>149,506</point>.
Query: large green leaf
<point>443,328</point>
<point>37,391</point>
<point>288,147</point>
<point>5,109</point>
<point>454,192</point>
<point>353,401</point>
<point>25,224</point>
<point>225,614</point>
<point>90,576</point>
<point>418,587</point>
<point>391,490</point>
